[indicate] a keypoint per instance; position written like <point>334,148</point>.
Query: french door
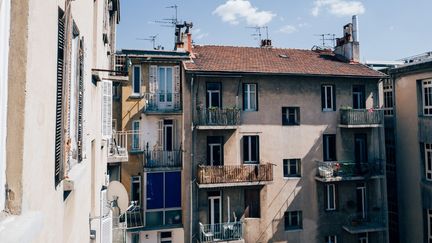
<point>166,87</point>
<point>361,201</point>
<point>215,212</point>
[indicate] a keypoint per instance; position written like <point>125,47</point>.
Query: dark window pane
<point>154,219</point>
<point>254,148</point>
<point>137,80</point>
<point>173,217</point>
<point>172,189</point>
<point>155,190</point>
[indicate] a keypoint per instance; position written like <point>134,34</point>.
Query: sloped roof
<point>210,58</point>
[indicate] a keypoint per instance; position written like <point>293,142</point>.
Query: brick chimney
<point>348,46</point>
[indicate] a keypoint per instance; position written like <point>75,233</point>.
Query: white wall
<point>4,50</point>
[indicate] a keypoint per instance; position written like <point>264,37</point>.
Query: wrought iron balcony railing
<point>361,117</point>
<point>162,102</point>
<point>218,117</point>
<point>162,159</point>
<point>348,170</point>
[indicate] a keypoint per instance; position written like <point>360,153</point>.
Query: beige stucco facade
<point>36,209</point>
<point>276,143</point>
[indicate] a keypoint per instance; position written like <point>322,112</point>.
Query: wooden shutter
<point>106,109</point>
<point>334,96</point>
<point>177,90</point>
<point>80,101</point>
<point>174,131</point>
<point>323,97</point>
<point>257,149</point>
<point>160,142</point>
<point>59,135</point>
<point>106,219</point>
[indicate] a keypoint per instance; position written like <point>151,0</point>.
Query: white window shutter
<point>160,134</point>
<point>175,144</point>
<point>177,103</point>
<point>105,231</point>
<point>106,109</point>
<point>153,79</point>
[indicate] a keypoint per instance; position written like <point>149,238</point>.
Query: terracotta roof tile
<point>274,60</point>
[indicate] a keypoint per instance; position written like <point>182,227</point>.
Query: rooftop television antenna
<point>151,38</point>
<point>325,38</point>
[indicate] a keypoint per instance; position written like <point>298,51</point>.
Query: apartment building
<point>283,145</point>
<point>407,101</point>
<point>148,128</point>
<point>53,144</point>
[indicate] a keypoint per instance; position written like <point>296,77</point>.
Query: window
<point>331,239</point>
<point>290,115</point>
<point>388,97</point>
<point>428,161</point>
<point>165,86</point>
<point>213,95</point>
<point>167,135</point>
<point>116,91</point>
<point>330,197</point>
<point>291,168</point>
<point>250,149</point>
<point>136,80</point>
<point>136,143</point>
<point>427,97</point>
<point>250,97</point>
<point>328,97</point>
<point>358,93</point>
<point>429,225</point>
<point>136,189</point>
<point>163,198</point>
<point>4,49</point>
<point>329,147</point>
<point>293,220</point>
<point>252,203</point>
<point>135,237</point>
<point>165,237</point>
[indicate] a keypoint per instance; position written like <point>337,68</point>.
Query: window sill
<point>292,178</point>
<point>294,124</point>
<point>135,97</point>
<point>325,110</point>
<point>293,230</point>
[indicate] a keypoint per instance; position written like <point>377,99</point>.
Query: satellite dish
<point>117,190</point>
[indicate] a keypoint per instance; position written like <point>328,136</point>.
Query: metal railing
<point>132,218</point>
<point>361,117</point>
<point>162,102</point>
<point>162,158</point>
<point>371,219</point>
<point>347,169</point>
<point>218,117</point>
<point>235,173</point>
<point>221,232</point>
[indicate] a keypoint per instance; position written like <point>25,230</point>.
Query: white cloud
<point>233,11</point>
<point>288,29</point>
<point>338,7</point>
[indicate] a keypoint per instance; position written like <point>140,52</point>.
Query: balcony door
<point>358,93</point>
<point>361,201</point>
<point>213,95</point>
<point>215,208</point>
<point>166,87</point>
<point>214,150</point>
<point>360,150</point>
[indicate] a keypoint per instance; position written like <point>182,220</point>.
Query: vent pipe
<point>355,31</point>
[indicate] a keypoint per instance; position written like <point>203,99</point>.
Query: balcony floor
<point>361,126</point>
<point>217,127</point>
<point>370,227</point>
<point>117,158</point>
<point>233,184</point>
<point>347,178</point>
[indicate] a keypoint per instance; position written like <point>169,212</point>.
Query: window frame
<point>330,239</point>
<point>247,96</point>
<point>134,94</point>
<point>286,112</point>
<point>250,150</point>
<point>427,108</point>
<point>428,157</point>
<point>324,98</point>
<point>289,215</point>
<point>388,97</point>
<point>136,126</point>
<point>330,197</point>
<point>429,224</point>
<point>327,151</point>
<point>287,165</point>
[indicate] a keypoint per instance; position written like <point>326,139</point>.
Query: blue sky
<point>389,29</point>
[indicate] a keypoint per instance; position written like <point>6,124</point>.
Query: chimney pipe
<point>355,31</point>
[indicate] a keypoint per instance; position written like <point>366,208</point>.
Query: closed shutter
<point>160,142</point>
<point>334,96</point>
<point>106,219</point>
<point>322,97</point>
<point>177,91</point>
<point>59,135</point>
<point>106,109</point>
<point>153,79</point>
<point>175,143</point>
<point>81,101</point>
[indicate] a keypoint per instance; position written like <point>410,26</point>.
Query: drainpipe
<point>192,158</point>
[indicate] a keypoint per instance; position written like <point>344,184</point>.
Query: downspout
<point>192,157</point>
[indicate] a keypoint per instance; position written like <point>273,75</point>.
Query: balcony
<point>234,175</point>
<point>215,118</point>
<point>348,170</point>
<point>162,103</point>
<point>162,159</point>
<point>368,222</point>
<point>224,232</point>
<point>117,151</point>
<point>425,129</point>
<point>361,118</point>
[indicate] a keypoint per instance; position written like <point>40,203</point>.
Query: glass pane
<point>254,152</point>
<point>173,217</point>
<point>169,80</point>
<point>285,167</point>
<point>173,189</point>
<point>253,105</point>
<point>162,87</point>
<point>154,190</point>
<point>137,80</point>
<point>329,97</point>
<point>154,219</point>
